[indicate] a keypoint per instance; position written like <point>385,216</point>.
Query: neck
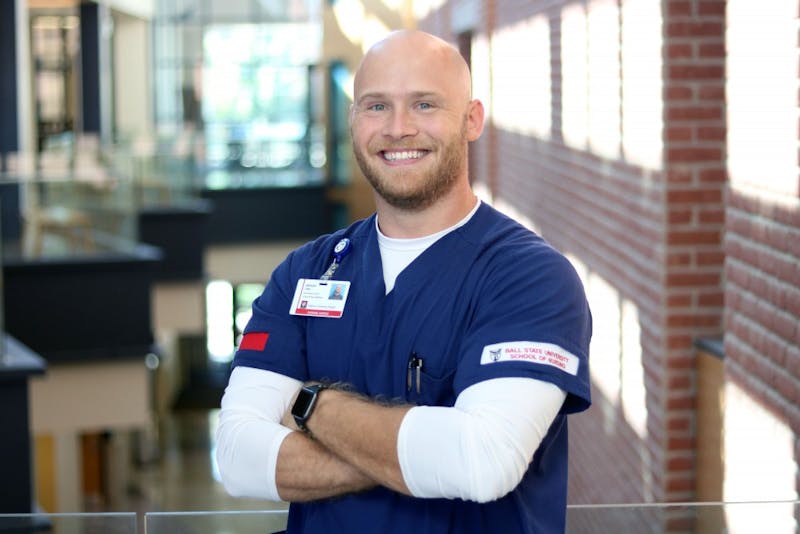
<point>444,213</point>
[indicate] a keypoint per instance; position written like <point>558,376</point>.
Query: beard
<point>402,190</point>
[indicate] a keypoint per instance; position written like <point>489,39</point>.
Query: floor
<point>175,471</point>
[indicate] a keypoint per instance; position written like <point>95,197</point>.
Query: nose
<point>399,124</point>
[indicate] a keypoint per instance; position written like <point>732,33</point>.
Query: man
<point>336,292</point>
<point>462,340</point>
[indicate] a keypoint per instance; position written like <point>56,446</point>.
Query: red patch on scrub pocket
<point>254,341</point>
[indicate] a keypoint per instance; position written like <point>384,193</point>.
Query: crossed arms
<point>477,450</point>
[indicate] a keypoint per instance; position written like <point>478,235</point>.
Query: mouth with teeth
<point>403,156</point>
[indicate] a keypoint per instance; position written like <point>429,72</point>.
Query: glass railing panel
<point>261,522</point>
<point>71,215</point>
<point>775,517</point>
<point>106,523</point>
<point>161,170</point>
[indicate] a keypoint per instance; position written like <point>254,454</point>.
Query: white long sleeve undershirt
<point>477,450</point>
<point>480,449</point>
<point>250,433</point>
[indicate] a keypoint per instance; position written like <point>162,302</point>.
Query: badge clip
<point>342,249</point>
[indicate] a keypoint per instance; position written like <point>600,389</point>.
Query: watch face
<point>302,406</point>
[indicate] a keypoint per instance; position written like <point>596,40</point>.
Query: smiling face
<point>412,119</point>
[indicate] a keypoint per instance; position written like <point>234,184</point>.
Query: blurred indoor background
<point>158,158</point>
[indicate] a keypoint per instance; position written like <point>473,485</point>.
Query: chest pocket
<point>429,382</point>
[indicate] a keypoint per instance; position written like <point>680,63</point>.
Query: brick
<point>678,174</point>
<point>774,348</point>
<point>679,423</point>
<point>695,72</point>
<point>706,195</point>
<point>679,382</point>
<point>783,326</point>
<point>679,443</point>
<point>716,175</point>
<point>712,7</point>
<point>792,359</point>
<point>775,293</point>
<point>711,216</point>
<point>758,232</point>
<point>779,238</point>
<point>692,279</point>
<point>679,7</point>
<point>695,28</point>
<point>692,154</point>
<point>693,237</point>
<point>694,113</point>
<point>684,362</point>
<point>787,387</point>
<point>792,242</point>
<point>711,91</point>
<point>778,235</point>
<point>679,133</point>
<point>711,257</point>
<point>711,50</point>
<point>675,93</point>
<point>677,321</point>
<point>737,224</point>
<point>680,341</point>
<point>680,463</point>
<point>679,301</point>
<point>680,50</point>
<point>716,298</point>
<point>712,133</point>
<point>788,270</point>
<point>679,216</point>
<point>792,301</point>
<point>733,249</point>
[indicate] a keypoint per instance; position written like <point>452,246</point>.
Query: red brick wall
<point>651,233</point>
<point>762,342</point>
<point>695,159</point>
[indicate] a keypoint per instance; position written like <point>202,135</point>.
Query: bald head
<point>419,55</point>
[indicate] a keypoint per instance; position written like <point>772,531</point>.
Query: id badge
<point>320,298</point>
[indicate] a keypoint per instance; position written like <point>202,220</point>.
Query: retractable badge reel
<point>342,249</point>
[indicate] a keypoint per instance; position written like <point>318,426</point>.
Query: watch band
<point>305,403</point>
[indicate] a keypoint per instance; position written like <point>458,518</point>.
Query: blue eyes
<point>424,106</point>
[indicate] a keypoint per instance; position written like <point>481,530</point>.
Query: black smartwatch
<point>304,404</point>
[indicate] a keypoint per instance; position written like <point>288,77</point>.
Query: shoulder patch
<point>532,352</point>
<point>254,341</point>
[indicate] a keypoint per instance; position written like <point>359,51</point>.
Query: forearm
<point>478,450</point>
<point>362,434</point>
<point>307,471</point>
<point>260,457</point>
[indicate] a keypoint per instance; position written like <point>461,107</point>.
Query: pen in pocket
<point>414,367</point>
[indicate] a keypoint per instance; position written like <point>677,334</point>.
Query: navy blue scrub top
<point>489,281</point>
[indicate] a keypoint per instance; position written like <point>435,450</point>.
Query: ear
<point>475,118</point>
